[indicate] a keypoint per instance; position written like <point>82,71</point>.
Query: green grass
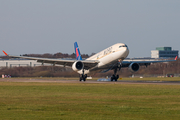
<point>88,101</point>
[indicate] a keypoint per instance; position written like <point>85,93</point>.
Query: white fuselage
<point>109,56</point>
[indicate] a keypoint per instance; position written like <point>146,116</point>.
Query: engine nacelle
<point>78,65</point>
<point>134,67</point>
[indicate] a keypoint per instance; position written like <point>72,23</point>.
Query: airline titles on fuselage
<point>108,50</point>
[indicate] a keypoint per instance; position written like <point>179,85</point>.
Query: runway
<point>41,80</point>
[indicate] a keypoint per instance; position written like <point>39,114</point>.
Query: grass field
<point>36,101</point>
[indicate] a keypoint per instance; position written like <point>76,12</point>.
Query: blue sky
<point>51,26</point>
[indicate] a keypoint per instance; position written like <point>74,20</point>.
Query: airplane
<point>111,58</point>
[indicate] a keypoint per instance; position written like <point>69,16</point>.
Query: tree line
<point>48,55</point>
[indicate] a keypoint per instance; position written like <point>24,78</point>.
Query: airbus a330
<point>111,58</point>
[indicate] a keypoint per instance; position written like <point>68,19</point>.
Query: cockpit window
<point>122,46</point>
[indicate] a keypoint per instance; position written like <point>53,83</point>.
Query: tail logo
<point>77,52</point>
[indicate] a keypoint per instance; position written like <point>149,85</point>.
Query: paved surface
<point>89,81</point>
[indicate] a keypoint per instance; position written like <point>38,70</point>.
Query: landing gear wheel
<point>111,78</point>
<point>114,77</point>
<point>83,77</point>
<point>117,77</point>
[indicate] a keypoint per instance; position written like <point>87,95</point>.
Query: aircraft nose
<point>126,51</point>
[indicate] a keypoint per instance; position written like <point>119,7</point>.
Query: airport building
<point>165,52</point>
<point>19,63</point>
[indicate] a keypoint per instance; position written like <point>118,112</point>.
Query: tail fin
<point>77,52</point>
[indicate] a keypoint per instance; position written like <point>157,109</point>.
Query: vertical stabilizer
<point>77,52</point>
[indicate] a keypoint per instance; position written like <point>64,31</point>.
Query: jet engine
<point>133,67</point>
<point>78,65</point>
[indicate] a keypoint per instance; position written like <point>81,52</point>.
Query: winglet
<point>5,53</point>
<point>77,51</point>
<point>176,58</point>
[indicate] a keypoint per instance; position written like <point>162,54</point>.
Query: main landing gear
<point>83,77</point>
<point>114,76</point>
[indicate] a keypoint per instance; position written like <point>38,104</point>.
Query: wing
<point>141,62</point>
<point>145,62</point>
<point>64,62</point>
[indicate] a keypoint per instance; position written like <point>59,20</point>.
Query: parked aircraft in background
<point>111,58</point>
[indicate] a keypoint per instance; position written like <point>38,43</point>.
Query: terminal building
<point>164,52</point>
<point>19,63</point>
